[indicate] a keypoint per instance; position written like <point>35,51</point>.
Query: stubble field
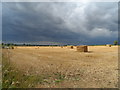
<point>66,68</point>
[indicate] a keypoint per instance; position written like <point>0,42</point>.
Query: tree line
<point>12,44</point>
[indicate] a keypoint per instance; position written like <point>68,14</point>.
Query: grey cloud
<point>0,22</point>
<point>60,22</point>
<point>103,15</point>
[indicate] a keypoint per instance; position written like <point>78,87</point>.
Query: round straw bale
<point>71,47</point>
<point>108,45</point>
<point>12,47</point>
<point>82,48</point>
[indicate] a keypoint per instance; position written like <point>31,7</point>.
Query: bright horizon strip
<point>84,1</point>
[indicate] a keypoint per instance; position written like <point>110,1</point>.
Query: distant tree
<point>10,44</point>
<point>24,44</point>
<point>2,43</point>
<point>115,42</point>
<point>15,44</point>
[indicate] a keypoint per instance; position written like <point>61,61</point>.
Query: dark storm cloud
<point>0,22</point>
<point>60,22</point>
<point>103,15</point>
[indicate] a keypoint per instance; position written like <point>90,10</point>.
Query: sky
<point>0,22</point>
<point>60,22</point>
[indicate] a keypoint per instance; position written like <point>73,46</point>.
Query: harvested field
<point>64,67</point>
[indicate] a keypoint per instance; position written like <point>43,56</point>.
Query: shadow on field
<point>86,52</point>
<point>89,52</point>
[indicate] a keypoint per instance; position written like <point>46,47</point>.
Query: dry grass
<point>63,67</point>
